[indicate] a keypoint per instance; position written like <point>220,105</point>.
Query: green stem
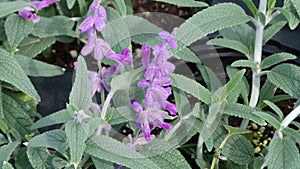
<point>257,59</point>
<point>217,155</point>
<point>106,104</point>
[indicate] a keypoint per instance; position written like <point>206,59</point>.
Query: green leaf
<point>191,87</point>
<point>54,26</point>
<point>99,164</point>
<point>164,157</point>
<point>3,139</point>
<point>231,85</point>
<point>296,4</point>
<point>15,116</point>
<point>185,3</point>
<point>244,63</point>
<point>251,6</point>
<point>292,133</point>
<point>182,103</point>
<point>120,6</point>
<point>235,130</point>
<point>290,13</point>
<point>76,136</point>
<point>243,86</point>
<point>184,128</point>
<point>275,59</point>
<point>39,158</point>
<point>7,165</point>
<point>82,7</point>
<point>35,68</point>
<point>58,117</point>
<point>116,37</point>
<point>1,107</point>
<point>50,139</point>
<point>267,91</point>
<point>17,29</point>
<point>10,7</point>
<point>283,153</point>
<point>242,33</point>
<point>11,72</point>
<point>81,96</point>
<point>242,111</point>
<point>70,3</point>
<point>269,118</point>
<point>34,46</point>
<point>124,80</point>
<point>7,150</point>
<point>275,108</point>
<point>231,44</point>
<point>262,17</point>
<point>106,148</point>
<point>287,78</point>
<point>21,159</point>
<point>212,81</point>
<point>238,149</point>
<point>272,30</point>
<point>212,19</point>
<point>121,115</point>
<point>258,162</point>
<point>271,4</point>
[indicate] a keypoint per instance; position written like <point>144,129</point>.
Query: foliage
<point>135,91</point>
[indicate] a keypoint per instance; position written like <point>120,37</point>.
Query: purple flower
<point>99,46</point>
<point>146,52</point>
<point>29,14</point>
<point>169,38</point>
<point>97,19</point>
<point>124,57</point>
<point>95,82</point>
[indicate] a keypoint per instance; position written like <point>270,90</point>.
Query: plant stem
<point>106,104</point>
<point>289,118</point>
<point>257,59</point>
<point>216,156</point>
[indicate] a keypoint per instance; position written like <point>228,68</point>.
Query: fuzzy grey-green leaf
<point>17,29</point>
<point>37,68</point>
<point>76,137</point>
<point>287,78</point>
<point>192,87</point>
<point>109,149</point>
<point>238,149</point>
<point>283,153</point>
<point>275,59</point>
<point>185,3</point>
<point>10,7</point>
<point>32,47</point>
<point>212,19</point>
<point>231,44</point>
<point>58,117</point>
<point>81,95</point>
<point>7,150</point>
<point>11,72</point>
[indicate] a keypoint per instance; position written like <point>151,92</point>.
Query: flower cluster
<point>92,25</point>
<point>156,81</point>
<point>29,13</point>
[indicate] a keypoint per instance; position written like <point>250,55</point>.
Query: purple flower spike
<point>136,106</point>
<point>124,58</point>
<point>44,3</point>
<point>100,48</point>
<point>100,18</point>
<point>146,52</point>
<point>29,15</point>
<point>95,82</point>
<point>171,108</point>
<point>169,38</point>
<point>86,24</point>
